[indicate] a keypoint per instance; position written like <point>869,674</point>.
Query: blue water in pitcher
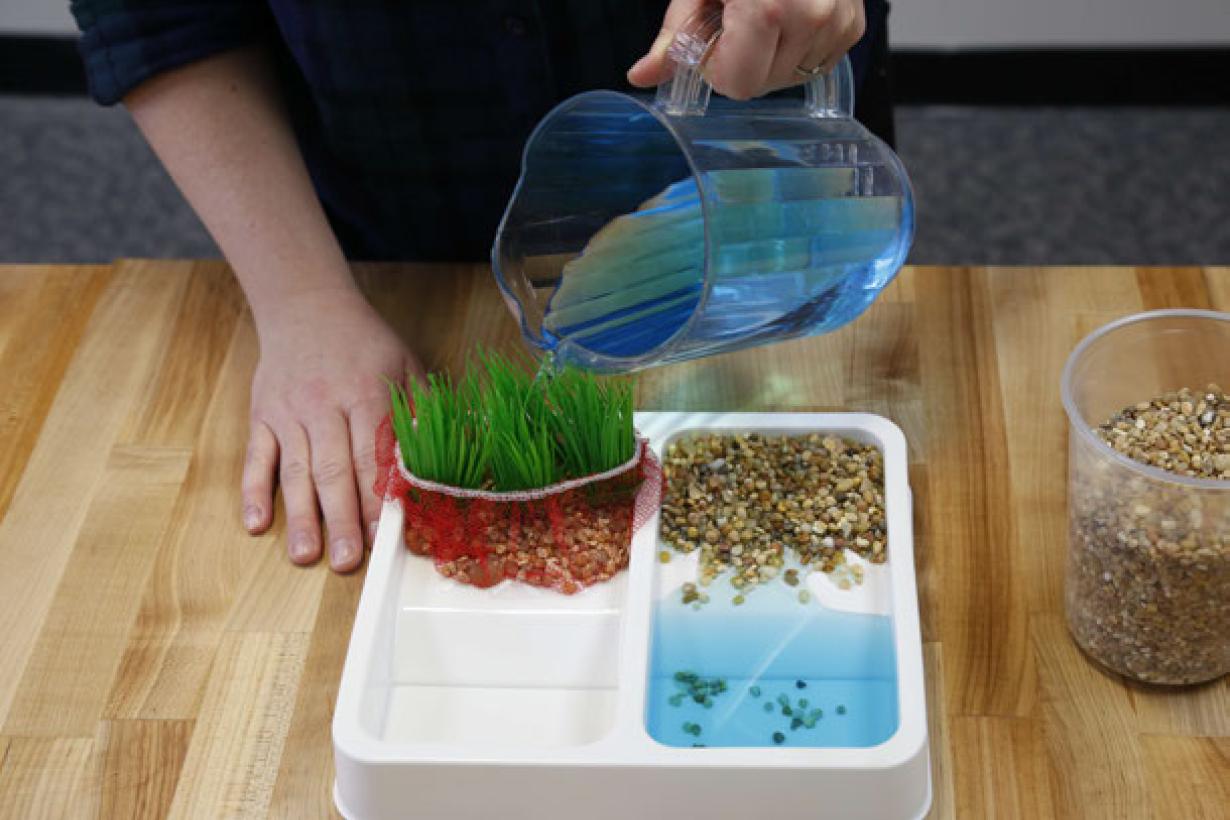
<point>644,232</point>
<point>803,268</point>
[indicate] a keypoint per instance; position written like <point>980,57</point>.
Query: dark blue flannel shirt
<point>411,114</point>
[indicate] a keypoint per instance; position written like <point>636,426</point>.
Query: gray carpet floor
<point>993,185</point>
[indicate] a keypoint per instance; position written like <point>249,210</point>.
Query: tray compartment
<point>834,653</point>
<point>845,662</point>
<point>512,665</point>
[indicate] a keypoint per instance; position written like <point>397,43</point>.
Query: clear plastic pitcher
<point>645,231</point>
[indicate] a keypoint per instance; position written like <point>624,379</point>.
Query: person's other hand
<point>317,397</point>
<point>762,43</point>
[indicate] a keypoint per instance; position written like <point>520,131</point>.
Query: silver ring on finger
<point>811,72</point>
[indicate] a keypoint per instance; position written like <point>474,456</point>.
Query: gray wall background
<point>923,23</point>
<point>994,185</point>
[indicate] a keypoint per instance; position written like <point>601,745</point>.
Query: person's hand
<point>317,398</point>
<point>762,43</point>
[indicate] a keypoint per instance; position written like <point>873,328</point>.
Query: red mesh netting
<point>566,536</point>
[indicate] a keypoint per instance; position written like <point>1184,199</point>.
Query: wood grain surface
<point>157,661</point>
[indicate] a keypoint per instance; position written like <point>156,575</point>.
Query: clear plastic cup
<point>1148,578</point>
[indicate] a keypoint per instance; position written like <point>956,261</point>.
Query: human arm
<point>763,42</point>
<point>219,127</point>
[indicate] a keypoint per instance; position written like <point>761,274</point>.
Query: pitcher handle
<point>686,93</point>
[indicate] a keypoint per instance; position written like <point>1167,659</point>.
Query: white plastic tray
<point>517,702</point>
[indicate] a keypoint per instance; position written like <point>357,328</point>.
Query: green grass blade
<point>501,426</point>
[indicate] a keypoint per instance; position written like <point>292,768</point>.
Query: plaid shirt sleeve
<point>125,42</point>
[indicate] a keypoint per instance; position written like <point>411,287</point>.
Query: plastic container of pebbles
<point>1147,592</point>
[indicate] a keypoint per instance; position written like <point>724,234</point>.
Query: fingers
<point>843,29</point>
<point>820,33</point>
<point>655,67</point>
<point>333,473</point>
<point>365,417</point>
<point>743,56</point>
<point>414,370</point>
<point>298,495</point>
<point>363,422</point>
<point>762,43</point>
<point>807,31</point>
<point>259,466</point>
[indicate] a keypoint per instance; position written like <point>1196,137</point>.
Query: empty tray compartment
<point>513,665</point>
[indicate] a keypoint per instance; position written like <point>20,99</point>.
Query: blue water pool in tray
<point>835,673</point>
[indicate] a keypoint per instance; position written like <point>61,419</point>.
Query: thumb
<point>655,67</point>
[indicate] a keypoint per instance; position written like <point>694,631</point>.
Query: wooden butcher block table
<point>155,659</point>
